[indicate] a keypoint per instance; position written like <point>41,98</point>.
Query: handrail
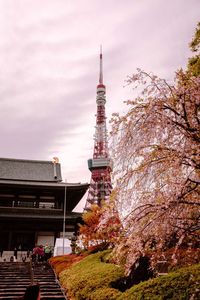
<point>31,271</point>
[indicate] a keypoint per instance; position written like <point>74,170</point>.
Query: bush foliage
<point>92,278</point>
<point>182,284</point>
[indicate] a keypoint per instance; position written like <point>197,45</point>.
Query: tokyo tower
<point>100,165</point>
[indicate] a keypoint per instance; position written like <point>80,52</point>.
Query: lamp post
<point>65,195</point>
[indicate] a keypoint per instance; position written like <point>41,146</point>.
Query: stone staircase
<point>49,285</point>
<point>16,276</point>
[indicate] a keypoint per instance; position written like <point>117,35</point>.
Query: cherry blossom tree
<point>156,152</point>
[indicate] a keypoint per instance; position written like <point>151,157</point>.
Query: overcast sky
<point>49,68</point>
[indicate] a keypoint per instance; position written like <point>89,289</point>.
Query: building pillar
<point>9,240</point>
<point>36,237</point>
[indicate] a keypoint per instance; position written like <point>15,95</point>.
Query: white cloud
<point>49,68</point>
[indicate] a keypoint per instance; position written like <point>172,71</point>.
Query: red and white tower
<point>100,165</point>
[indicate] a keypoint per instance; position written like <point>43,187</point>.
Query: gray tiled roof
<point>61,185</point>
<point>29,170</point>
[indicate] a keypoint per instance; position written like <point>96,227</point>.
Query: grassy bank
<point>92,278</point>
<point>183,284</point>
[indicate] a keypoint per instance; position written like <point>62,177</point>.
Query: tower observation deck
<point>101,164</point>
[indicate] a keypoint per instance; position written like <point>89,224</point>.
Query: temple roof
<point>59,185</point>
<point>38,177</point>
<point>74,191</point>
<point>29,170</point>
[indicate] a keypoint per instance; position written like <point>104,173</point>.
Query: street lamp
<point>65,196</point>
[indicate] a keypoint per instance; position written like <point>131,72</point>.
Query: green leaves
<point>91,278</point>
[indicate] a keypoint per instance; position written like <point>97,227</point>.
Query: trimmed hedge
<point>184,284</point>
<point>91,278</point>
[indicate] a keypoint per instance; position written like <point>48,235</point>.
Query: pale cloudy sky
<point>49,64</point>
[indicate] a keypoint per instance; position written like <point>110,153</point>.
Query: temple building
<point>35,204</point>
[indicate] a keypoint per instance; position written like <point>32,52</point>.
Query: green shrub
<point>91,278</point>
<point>104,293</point>
<point>180,285</point>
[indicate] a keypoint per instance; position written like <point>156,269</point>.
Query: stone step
<point>52,297</point>
<point>21,291</point>
<point>13,297</point>
<point>45,297</point>
<point>12,291</point>
<point>13,294</point>
<point>44,291</point>
<point>13,283</point>
<point>13,280</point>
<point>15,277</point>
<point>42,298</point>
<point>16,296</point>
<point>43,280</point>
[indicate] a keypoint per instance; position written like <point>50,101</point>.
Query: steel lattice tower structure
<point>100,165</point>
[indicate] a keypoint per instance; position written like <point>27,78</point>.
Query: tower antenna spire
<point>101,67</point>
<point>101,164</point>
